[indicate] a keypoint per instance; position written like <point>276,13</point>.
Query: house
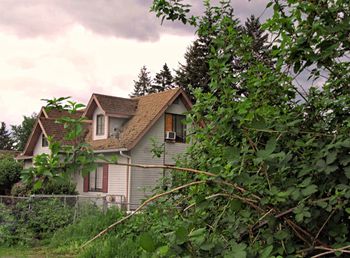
<point>123,127</point>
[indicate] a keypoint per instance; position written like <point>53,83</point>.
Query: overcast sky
<point>52,48</point>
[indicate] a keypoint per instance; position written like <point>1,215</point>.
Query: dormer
<point>108,115</point>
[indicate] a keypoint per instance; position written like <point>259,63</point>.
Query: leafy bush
<point>10,171</point>
<point>52,187</point>
<point>20,189</point>
<point>7,224</point>
<point>62,186</point>
<point>29,221</point>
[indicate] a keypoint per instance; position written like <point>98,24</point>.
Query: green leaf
<point>306,182</point>
<point>181,235</point>
<point>197,232</point>
<point>266,252</point>
<point>309,190</point>
<point>347,172</point>
<point>147,242</point>
<point>282,234</point>
<point>37,185</point>
<point>321,164</point>
<point>331,157</point>
<point>236,251</point>
<point>163,250</point>
<point>236,205</point>
<point>270,145</point>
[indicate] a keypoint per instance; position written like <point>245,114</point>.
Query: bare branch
<point>106,230</point>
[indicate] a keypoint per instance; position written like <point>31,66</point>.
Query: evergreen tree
<point>260,45</point>
<point>143,85</point>
<point>6,143</point>
<point>163,80</point>
<point>20,133</point>
<point>195,72</point>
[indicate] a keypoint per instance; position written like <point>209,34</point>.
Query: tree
<point>259,37</point>
<point>21,133</point>
<point>9,173</point>
<point>194,74</point>
<point>6,142</point>
<point>163,80</point>
<point>143,85</point>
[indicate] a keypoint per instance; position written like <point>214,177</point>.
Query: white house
<point>123,127</point>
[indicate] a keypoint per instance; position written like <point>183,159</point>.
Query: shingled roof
<point>116,105</point>
<point>142,113</point>
<point>46,124</point>
<point>55,113</point>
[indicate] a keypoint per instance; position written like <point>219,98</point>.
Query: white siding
<point>143,181</point>
<point>117,181</point>
<point>38,149</point>
<point>98,111</point>
<point>177,108</point>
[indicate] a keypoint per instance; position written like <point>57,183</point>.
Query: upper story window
<point>176,123</point>
<point>44,141</point>
<point>100,125</point>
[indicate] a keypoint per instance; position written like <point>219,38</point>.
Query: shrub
<point>51,187</point>
<point>29,221</point>
<point>9,173</point>
<point>20,189</point>
<point>57,187</point>
<point>43,217</point>
<point>7,222</point>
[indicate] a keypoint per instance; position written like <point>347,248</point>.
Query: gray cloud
<point>122,19</point>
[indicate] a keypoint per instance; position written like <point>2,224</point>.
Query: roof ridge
<point>110,96</point>
<point>154,93</point>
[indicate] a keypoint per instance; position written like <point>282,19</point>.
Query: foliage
<point>21,133</point>
<point>27,221</point>
<point>194,74</point>
<point>90,222</point>
<point>6,142</point>
<point>9,173</point>
<point>163,80</point>
<point>62,186</point>
<point>143,85</point>
<point>21,189</point>
<point>278,181</point>
<point>283,167</point>
<point>7,221</point>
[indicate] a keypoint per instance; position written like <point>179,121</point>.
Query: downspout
<point>128,180</point>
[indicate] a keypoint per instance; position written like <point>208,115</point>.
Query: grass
<point>26,252</point>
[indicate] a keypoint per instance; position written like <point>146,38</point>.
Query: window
<point>95,180</point>
<point>176,123</point>
<point>44,141</point>
<point>100,125</point>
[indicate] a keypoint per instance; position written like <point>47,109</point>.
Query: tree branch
<point>106,230</point>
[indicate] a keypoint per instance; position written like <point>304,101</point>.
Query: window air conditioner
<point>170,135</point>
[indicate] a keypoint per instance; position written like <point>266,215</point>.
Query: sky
<point>54,48</point>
